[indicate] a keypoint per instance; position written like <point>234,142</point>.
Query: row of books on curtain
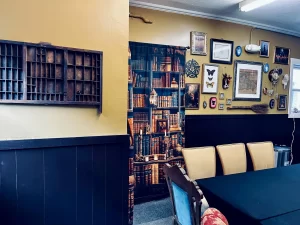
<point>139,64</point>
<point>137,126</point>
<point>130,166</point>
<point>166,64</point>
<point>148,145</point>
<point>129,99</point>
<point>140,116</point>
<point>130,203</point>
<point>165,81</point>
<point>139,100</point>
<point>138,80</point>
<point>168,101</point>
<point>152,173</point>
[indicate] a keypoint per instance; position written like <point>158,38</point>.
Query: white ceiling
<point>282,15</point>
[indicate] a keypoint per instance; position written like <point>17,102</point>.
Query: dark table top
<point>292,218</point>
<point>259,195</point>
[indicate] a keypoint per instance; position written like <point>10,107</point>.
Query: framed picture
<point>198,43</point>
<point>221,106</point>
<point>282,100</point>
<point>228,101</point>
<point>282,55</point>
<point>192,93</point>
<point>247,81</point>
<point>162,125</point>
<point>210,79</point>
<point>221,96</point>
<point>264,48</point>
<point>221,51</point>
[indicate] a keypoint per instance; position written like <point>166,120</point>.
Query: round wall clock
<point>192,68</point>
<point>272,103</point>
<point>204,105</point>
<point>238,51</point>
<point>266,68</point>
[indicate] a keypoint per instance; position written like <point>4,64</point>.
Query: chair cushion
<point>213,216</point>
<point>182,205</point>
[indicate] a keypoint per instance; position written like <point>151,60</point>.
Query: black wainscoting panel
<point>212,130</point>
<point>30,172</point>
<point>114,212</point>
<point>60,184</point>
<point>85,185</point>
<point>8,190</point>
<point>66,181</point>
<point>99,190</point>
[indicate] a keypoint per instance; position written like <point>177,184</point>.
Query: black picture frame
<point>212,59</point>
<point>192,103</point>
<point>282,55</point>
<point>282,102</point>
<point>235,98</point>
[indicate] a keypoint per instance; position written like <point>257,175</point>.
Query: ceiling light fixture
<point>248,5</point>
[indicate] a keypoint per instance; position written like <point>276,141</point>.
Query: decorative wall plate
<point>192,68</point>
<point>272,104</point>
<point>266,68</point>
<point>238,51</point>
<point>204,105</point>
<point>273,76</point>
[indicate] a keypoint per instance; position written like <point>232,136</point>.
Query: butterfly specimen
<point>210,84</point>
<point>210,74</point>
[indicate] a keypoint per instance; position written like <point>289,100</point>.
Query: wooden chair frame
<point>178,175</point>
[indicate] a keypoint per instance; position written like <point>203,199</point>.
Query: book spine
<point>136,144</point>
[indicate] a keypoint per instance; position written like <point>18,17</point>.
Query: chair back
<point>185,195</point>
<point>200,162</point>
<point>262,155</point>
<point>233,158</point>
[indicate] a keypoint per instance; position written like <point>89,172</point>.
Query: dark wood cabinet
<point>49,75</point>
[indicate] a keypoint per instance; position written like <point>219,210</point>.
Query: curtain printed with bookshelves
<point>155,113</point>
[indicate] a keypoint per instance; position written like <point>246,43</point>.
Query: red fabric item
<point>213,216</point>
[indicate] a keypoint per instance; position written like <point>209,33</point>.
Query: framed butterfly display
<point>210,79</point>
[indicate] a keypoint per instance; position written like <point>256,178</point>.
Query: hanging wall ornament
<point>266,68</point>
<point>272,104</point>
<point>226,81</point>
<point>273,77</point>
<point>285,80</point>
<point>192,68</point>
<point>265,91</point>
<point>238,51</point>
<point>213,102</point>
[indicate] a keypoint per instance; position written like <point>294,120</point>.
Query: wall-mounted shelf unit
<point>49,75</point>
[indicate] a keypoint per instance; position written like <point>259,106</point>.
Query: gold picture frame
<point>198,43</point>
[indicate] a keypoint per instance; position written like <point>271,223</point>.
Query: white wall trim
<point>147,5</point>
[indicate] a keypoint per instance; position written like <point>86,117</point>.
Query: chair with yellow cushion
<point>262,155</point>
<point>233,158</point>
<point>200,162</point>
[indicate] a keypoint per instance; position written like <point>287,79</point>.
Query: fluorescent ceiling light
<point>249,5</point>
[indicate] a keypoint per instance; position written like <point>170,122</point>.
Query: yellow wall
<point>174,29</point>
<point>93,24</point>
